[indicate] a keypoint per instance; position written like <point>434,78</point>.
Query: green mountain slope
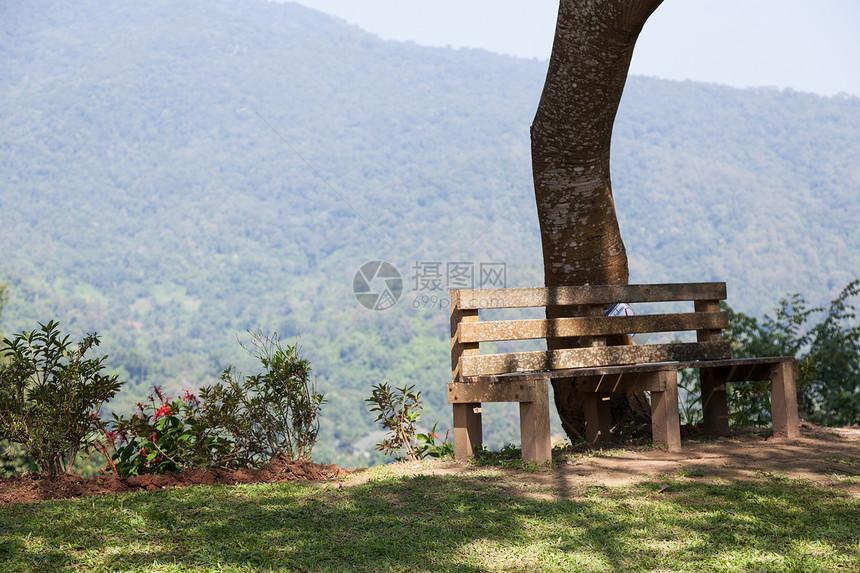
<point>174,174</point>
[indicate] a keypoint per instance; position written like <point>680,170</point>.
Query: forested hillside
<point>173,174</point>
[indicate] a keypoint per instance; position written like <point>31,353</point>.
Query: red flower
<point>163,411</point>
<point>111,436</point>
<point>189,397</point>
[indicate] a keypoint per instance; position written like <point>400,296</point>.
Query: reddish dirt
<point>29,487</point>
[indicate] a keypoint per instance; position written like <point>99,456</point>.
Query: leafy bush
<point>275,413</point>
<point>240,422</point>
<point>50,396</point>
<point>828,356</point>
<point>398,411</point>
<point>166,436</point>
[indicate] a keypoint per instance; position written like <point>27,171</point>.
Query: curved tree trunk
<point>571,135</point>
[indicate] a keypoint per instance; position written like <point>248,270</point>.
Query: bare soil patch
<point>29,487</point>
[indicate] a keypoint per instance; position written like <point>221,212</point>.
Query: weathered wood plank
<point>706,334</point>
<point>459,318</point>
<point>588,294</point>
<point>492,391</point>
<point>535,434</point>
<point>665,418</point>
<point>593,356</point>
<point>729,370</point>
<point>468,432</point>
<point>783,400</point>
<point>492,331</point>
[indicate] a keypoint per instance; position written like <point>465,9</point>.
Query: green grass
<point>444,523</point>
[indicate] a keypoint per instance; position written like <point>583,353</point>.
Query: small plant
<point>275,413</point>
<point>50,396</point>
<point>428,448</point>
<point>165,436</point>
<point>240,422</point>
<point>398,411</point>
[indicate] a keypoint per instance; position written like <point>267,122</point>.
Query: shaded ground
<point>827,456</point>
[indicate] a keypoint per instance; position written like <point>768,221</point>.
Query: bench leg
<point>534,425</point>
<point>598,417</point>
<point>665,417</point>
<point>467,430</point>
<point>783,400</point>
<point>715,409</point>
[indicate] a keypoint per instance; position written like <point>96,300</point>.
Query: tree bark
<point>571,135</point>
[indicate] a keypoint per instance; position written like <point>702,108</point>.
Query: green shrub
<point>166,436</point>
<point>398,411</point>
<point>50,396</point>
<point>274,413</point>
<point>828,355</point>
<point>241,421</point>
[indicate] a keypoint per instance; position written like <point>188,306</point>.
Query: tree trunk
<point>571,136</point>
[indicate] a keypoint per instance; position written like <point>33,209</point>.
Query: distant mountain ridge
<point>173,174</point>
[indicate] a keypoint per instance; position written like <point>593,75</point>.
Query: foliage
<point>274,413</point>
<point>828,355</point>
<point>238,423</point>
<point>398,411</point>
<point>14,459</point>
<point>51,394</point>
<point>165,436</point>
<point>428,448</point>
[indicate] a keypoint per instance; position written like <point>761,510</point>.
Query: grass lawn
<point>687,521</point>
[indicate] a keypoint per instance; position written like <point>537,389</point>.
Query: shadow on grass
<point>432,523</point>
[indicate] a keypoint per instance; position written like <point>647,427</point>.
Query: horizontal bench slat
<point>593,356</point>
<point>587,294</point>
<point>495,331</point>
<point>491,391</point>
<point>731,370</point>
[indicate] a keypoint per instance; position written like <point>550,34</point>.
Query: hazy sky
<point>807,45</point>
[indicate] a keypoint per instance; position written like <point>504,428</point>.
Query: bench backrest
<point>587,325</point>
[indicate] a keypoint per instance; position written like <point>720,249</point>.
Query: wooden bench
<point>597,369</point>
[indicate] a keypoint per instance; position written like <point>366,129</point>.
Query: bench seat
<point>597,370</point>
